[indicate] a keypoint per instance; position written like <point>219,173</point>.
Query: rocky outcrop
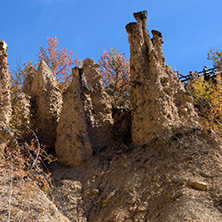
<point>172,173</point>
<point>98,107</point>
<point>46,102</point>
<point>5,96</point>
<point>73,145</point>
<point>86,123</point>
<point>158,99</point>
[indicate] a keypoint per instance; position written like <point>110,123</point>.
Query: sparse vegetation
<point>26,167</point>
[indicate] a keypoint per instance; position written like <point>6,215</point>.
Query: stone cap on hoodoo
<point>142,15</point>
<point>129,27</point>
<point>158,35</point>
<point>3,45</point>
<point>139,16</point>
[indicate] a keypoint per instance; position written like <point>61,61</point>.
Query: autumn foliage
<point>17,78</point>
<point>114,68</point>
<point>208,101</point>
<point>25,172</point>
<point>216,57</point>
<point>60,62</point>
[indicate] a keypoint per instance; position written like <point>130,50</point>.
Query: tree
<point>114,68</point>
<point>17,77</point>
<point>60,62</point>
<point>208,101</point>
<point>216,57</point>
<point>19,118</point>
<point>207,95</point>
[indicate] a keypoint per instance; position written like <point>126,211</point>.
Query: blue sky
<point>189,27</point>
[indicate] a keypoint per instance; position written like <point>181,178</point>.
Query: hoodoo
<point>73,146</point>
<point>98,107</point>
<point>5,98</point>
<point>46,102</point>
<point>158,98</point>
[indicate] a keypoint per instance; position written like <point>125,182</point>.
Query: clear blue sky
<point>189,27</point>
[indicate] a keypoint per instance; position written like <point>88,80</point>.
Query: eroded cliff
<point>172,170</point>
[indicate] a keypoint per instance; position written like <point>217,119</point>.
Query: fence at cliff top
<point>207,73</point>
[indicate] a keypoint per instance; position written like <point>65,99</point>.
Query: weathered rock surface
<point>6,134</point>
<point>198,185</point>
<point>86,123</point>
<point>158,99</point>
<point>98,107</point>
<point>27,83</point>
<point>46,102</point>
<point>122,124</point>
<point>73,145</point>
<point>5,96</point>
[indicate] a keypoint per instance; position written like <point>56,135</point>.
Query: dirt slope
<point>154,182</point>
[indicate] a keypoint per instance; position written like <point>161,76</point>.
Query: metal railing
<point>207,73</point>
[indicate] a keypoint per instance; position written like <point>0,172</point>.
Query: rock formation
<point>98,107</point>
<point>73,145</point>
<point>122,123</point>
<point>27,83</point>
<point>86,121</point>
<point>46,102</point>
<point>5,97</point>
<point>172,172</point>
<point>158,99</point>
